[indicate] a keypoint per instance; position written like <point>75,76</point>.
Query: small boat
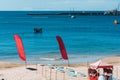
<point>37,30</point>
<point>72,16</point>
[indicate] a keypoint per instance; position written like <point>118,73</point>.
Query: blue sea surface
<point>86,38</point>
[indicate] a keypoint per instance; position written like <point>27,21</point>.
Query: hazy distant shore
<point>76,13</point>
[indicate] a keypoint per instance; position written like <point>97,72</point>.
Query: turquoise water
<point>86,38</point>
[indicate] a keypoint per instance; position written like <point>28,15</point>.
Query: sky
<point>48,5</point>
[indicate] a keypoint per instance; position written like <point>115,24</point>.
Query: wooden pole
<point>88,69</point>
<point>50,73</point>
<point>68,63</point>
<point>36,67</point>
<point>42,70</point>
<point>117,72</point>
<point>64,76</point>
<point>56,75</point>
<point>25,64</point>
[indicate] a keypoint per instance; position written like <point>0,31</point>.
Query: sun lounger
<point>70,70</point>
<point>32,69</point>
<point>83,75</point>
<point>62,71</point>
<point>40,64</point>
<point>59,67</point>
<point>51,67</point>
<point>71,74</point>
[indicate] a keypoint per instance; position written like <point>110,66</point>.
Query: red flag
<point>20,47</point>
<point>62,48</point>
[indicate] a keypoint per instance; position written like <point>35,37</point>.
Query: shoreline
<point>18,71</point>
<point>115,60</point>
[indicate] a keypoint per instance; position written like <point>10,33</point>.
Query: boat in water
<point>73,16</point>
<point>37,30</point>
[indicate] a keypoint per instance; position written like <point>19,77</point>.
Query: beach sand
<point>17,71</point>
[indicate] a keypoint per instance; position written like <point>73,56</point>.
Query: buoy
<point>116,22</point>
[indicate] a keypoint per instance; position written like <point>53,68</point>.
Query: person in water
<point>116,21</point>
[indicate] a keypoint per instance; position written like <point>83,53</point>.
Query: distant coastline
<point>60,13</point>
<point>77,13</point>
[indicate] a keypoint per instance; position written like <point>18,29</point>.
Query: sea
<point>86,38</point>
